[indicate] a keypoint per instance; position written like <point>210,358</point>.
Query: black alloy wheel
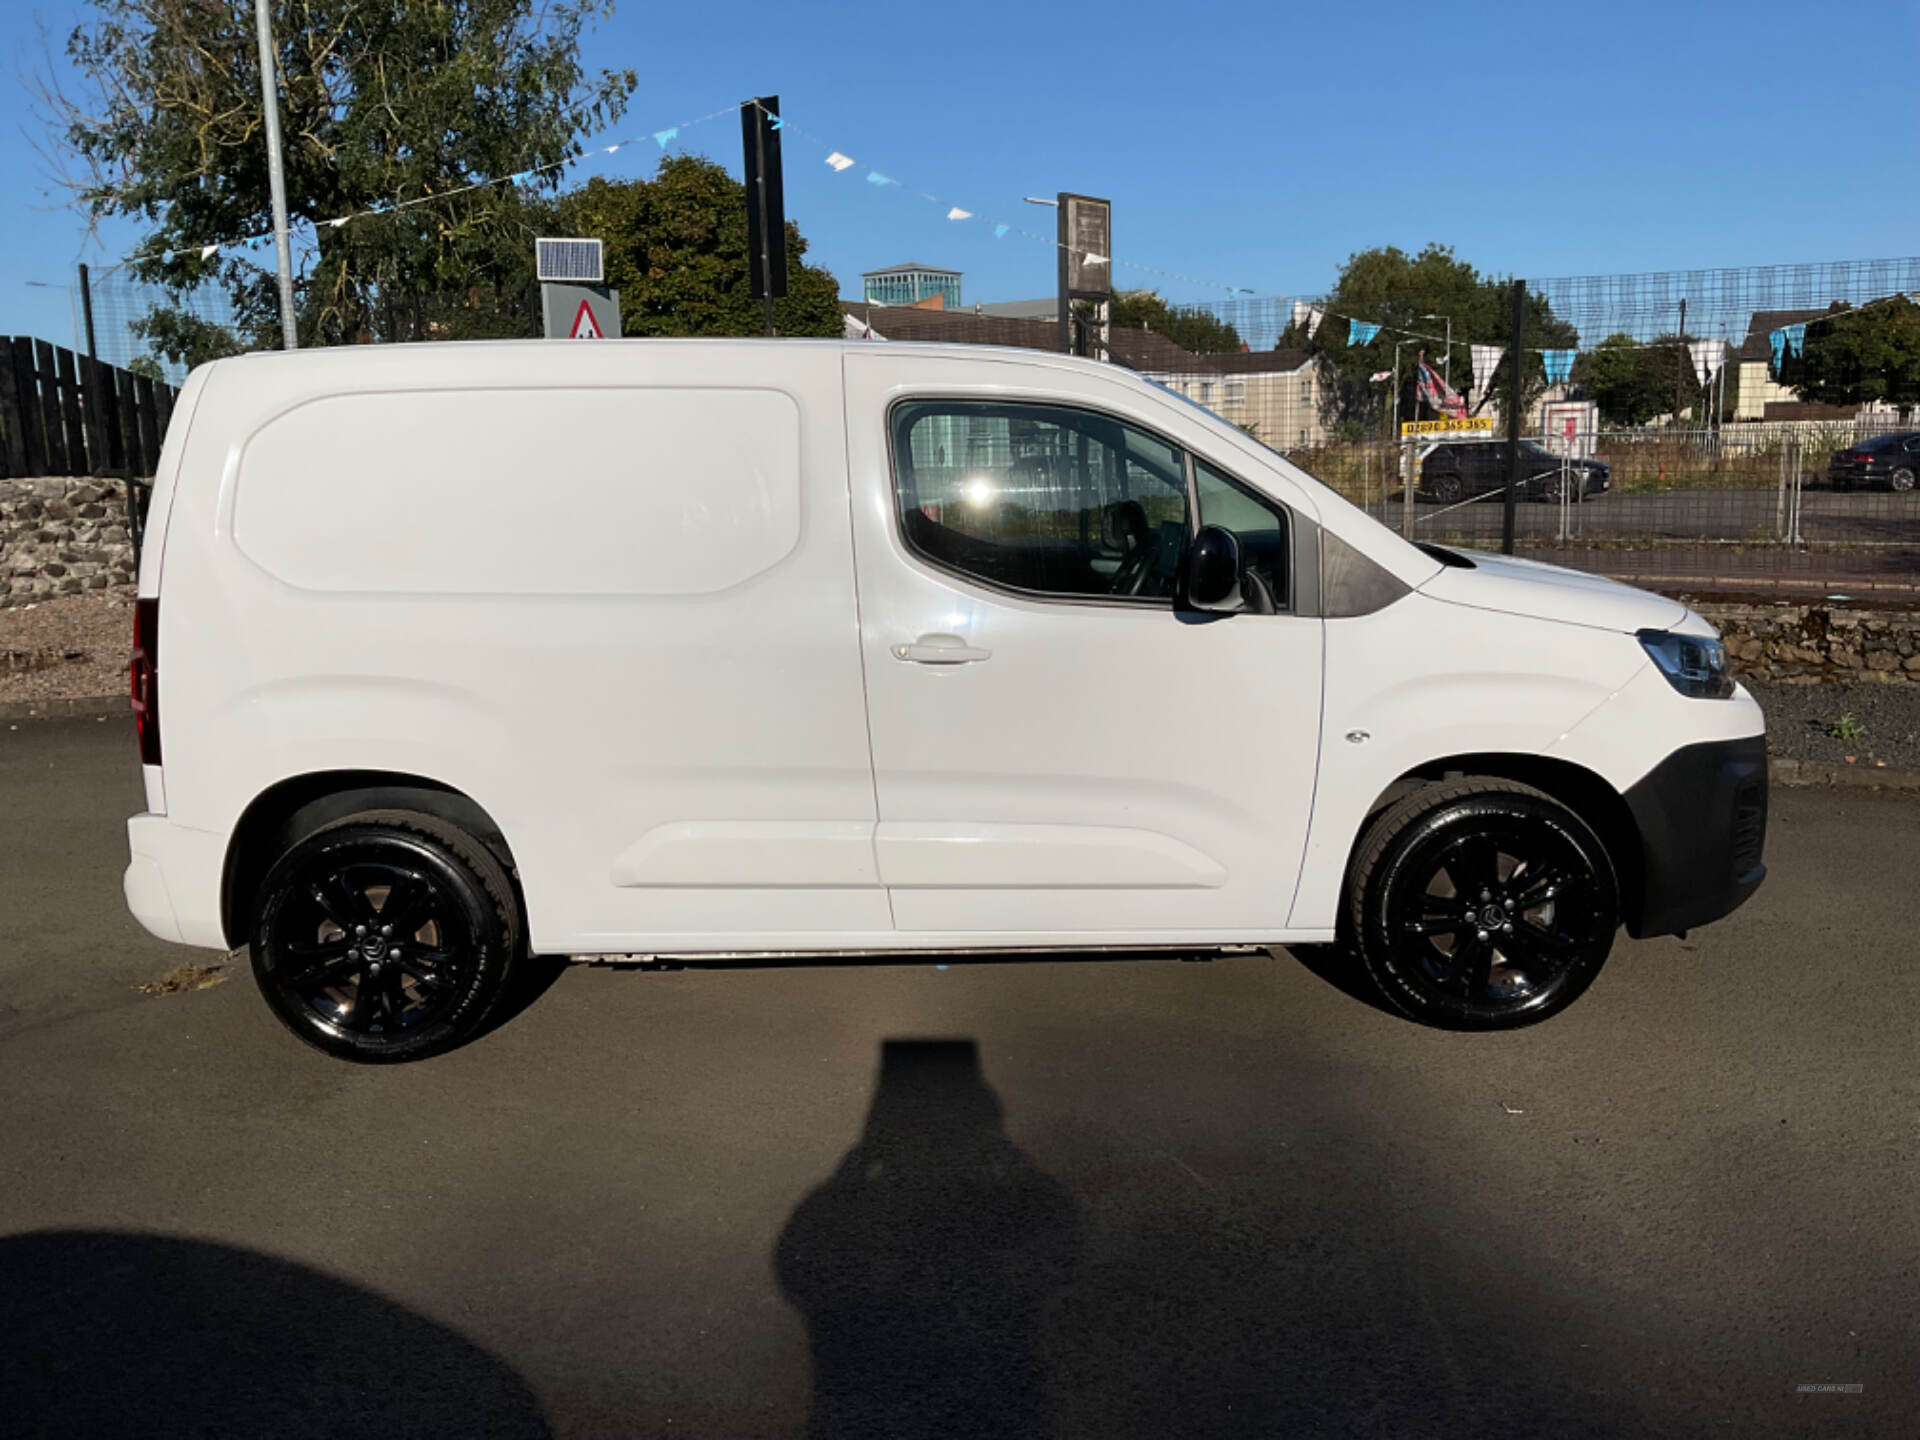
<point>1482,904</point>
<point>1446,486</point>
<point>1901,481</point>
<point>385,936</point>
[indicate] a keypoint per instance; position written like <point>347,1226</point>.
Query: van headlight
<point>1693,664</point>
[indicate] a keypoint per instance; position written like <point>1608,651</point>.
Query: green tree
<point>1857,356</point>
<point>1632,381</point>
<point>1397,291</point>
<point>676,250</point>
<point>1197,330</point>
<point>381,101</point>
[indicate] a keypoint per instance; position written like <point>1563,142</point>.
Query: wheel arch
<point>280,814</point>
<point>1582,791</point>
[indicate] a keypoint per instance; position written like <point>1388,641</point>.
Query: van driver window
<point>1259,524</point>
<point>1042,498</point>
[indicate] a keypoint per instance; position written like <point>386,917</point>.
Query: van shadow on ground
<point>108,1333</point>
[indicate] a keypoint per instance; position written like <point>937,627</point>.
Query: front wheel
<point>1446,488</point>
<point>1482,904</point>
<point>384,936</point>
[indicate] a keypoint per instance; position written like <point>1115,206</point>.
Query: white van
<point>451,653</point>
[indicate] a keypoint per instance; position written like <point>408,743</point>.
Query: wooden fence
<point>64,414</point>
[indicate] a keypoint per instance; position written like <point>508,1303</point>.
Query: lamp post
<point>276,174</point>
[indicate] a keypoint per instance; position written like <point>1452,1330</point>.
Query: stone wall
<point>62,536</point>
<point>1806,643</point>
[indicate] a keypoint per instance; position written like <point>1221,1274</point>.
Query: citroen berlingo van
<point>451,654</point>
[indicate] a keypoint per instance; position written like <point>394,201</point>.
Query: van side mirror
<point>1213,571</point>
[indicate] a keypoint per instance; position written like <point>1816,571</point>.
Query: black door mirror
<point>1213,571</point>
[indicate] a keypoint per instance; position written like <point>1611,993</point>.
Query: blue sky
<point>1253,145</point>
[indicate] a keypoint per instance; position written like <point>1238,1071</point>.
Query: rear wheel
<point>1445,486</point>
<point>1482,904</point>
<point>384,936</point>
<point>1901,481</point>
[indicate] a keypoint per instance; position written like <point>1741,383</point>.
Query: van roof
<point>916,347</point>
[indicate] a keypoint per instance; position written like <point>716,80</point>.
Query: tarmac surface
<point>1108,1200</point>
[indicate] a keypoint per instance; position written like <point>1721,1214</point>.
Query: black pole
<point>86,312</point>
<point>1516,363</point>
<point>764,260</point>
<point>766,203</point>
<point>1680,369</point>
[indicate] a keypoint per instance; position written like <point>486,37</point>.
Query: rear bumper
<point>1702,815</point>
<point>172,882</point>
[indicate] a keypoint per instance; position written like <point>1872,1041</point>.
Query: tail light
<point>1862,457</point>
<point>144,672</point>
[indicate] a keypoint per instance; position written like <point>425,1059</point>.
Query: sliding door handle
<point>940,650</point>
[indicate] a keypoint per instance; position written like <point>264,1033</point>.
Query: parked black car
<point>1478,468</point>
<point>1886,460</point>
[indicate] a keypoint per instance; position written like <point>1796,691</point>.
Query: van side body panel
<point>611,678</point>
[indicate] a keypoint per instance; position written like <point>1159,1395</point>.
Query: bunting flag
<point>1707,357</point>
<point>874,177</point>
<point>1438,394</point>
<point>956,213</point>
<point>395,205</point>
<point>1377,376</point>
<point>999,230</point>
<point>1314,316</point>
<point>1486,360</point>
<point>1359,332</point>
<point>839,161</point>
<point>1790,339</point>
<point>1300,309</point>
<point>1559,365</point>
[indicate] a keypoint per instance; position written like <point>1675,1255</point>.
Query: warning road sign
<point>580,312</point>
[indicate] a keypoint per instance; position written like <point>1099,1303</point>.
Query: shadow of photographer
<point>924,1265</point>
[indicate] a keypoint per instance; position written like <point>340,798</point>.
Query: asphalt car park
<point>1118,1199</point>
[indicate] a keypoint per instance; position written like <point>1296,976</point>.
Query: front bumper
<point>1702,815</point>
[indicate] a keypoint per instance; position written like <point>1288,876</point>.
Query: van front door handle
<point>939,650</point>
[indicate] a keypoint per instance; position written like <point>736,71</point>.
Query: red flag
<point>1435,392</point>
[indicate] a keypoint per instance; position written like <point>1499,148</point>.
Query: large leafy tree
<point>381,100</point>
<point>1856,356</point>
<point>1632,381</point>
<point>1398,291</point>
<point>1196,329</point>
<point>676,250</point>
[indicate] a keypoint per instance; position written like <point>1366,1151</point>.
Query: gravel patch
<point>1869,726</point>
<point>67,649</point>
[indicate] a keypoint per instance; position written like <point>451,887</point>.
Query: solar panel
<point>577,261</point>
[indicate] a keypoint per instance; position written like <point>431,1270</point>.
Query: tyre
<point>1445,487</point>
<point>1901,481</point>
<point>384,936</point>
<point>1482,904</point>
